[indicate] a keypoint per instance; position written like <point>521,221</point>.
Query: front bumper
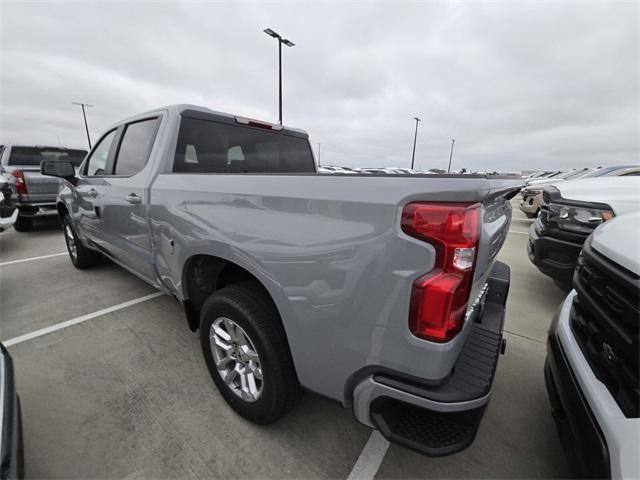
<point>552,256</point>
<point>597,437</point>
<point>443,418</point>
<point>11,446</point>
<point>7,222</point>
<point>580,434</point>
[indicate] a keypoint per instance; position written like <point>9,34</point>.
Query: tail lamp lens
<point>439,299</point>
<point>21,186</point>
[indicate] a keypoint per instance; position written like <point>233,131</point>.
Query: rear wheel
<point>81,256</point>
<point>23,224</point>
<point>245,349</point>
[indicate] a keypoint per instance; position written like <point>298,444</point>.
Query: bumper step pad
<point>425,431</point>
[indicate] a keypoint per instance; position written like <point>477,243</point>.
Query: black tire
<point>83,257</point>
<point>249,306</point>
<point>23,224</point>
<point>532,215</point>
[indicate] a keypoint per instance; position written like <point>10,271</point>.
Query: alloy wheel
<point>236,359</point>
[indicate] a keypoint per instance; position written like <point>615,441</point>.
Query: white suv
<point>591,369</point>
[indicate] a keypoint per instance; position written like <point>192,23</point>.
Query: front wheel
<point>246,352</point>
<point>80,256</point>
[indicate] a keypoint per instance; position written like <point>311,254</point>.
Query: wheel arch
<point>203,274</point>
<point>62,209</point>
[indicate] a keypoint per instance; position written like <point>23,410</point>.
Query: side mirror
<point>58,168</point>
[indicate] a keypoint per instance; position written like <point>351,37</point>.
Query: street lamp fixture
<point>288,43</point>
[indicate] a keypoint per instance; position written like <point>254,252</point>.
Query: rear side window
<point>32,156</point>
<point>135,146</point>
<point>99,155</point>
<point>210,147</point>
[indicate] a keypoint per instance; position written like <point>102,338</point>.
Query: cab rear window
<point>32,156</point>
<point>211,147</point>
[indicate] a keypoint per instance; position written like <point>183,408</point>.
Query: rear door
<point>125,201</point>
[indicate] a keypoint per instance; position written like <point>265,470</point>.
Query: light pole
<point>84,115</point>
<point>319,152</point>
<point>288,43</point>
<point>453,140</point>
<point>415,137</point>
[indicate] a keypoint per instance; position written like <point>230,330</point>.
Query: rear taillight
<point>21,186</point>
<point>439,299</point>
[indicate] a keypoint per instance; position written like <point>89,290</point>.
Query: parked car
<point>545,176</point>
<point>8,210</point>
<point>335,169</point>
<point>401,171</point>
<point>591,369</point>
<point>382,293</point>
<point>532,195</point>
<point>570,211</point>
<point>11,447</point>
<point>572,174</point>
<point>33,193</point>
<point>538,175</point>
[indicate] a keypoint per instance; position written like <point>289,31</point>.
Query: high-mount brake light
<point>257,123</point>
<point>439,299</point>
<point>21,185</point>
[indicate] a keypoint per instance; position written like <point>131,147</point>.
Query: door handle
<point>133,198</point>
<point>92,193</point>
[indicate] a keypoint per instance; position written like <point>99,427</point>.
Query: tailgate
<point>496,219</point>
<point>40,187</point>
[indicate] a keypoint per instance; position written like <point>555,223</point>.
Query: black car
<point>559,232</point>
<point>11,449</point>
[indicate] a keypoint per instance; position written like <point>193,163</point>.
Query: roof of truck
<point>180,108</point>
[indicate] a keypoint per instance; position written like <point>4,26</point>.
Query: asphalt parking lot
<point>127,394</point>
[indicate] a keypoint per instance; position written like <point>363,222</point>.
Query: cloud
<point>516,84</point>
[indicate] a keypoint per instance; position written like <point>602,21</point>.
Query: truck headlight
<point>578,219</point>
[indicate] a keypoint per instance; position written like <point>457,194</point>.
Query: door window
<point>99,156</point>
<point>135,146</point>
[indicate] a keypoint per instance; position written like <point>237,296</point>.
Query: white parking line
<point>370,458</point>
<point>518,232</point>
<point>31,259</point>
<point>77,320</point>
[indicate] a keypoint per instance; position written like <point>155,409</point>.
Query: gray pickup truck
<point>381,292</point>
<point>32,192</point>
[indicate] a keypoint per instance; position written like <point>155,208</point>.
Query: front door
<point>90,190</point>
<point>125,203</point>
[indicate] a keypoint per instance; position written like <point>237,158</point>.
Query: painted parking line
<point>77,320</point>
<point>31,259</point>
<point>518,232</point>
<point>370,458</point>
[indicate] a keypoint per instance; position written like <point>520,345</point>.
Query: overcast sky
<point>518,85</point>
